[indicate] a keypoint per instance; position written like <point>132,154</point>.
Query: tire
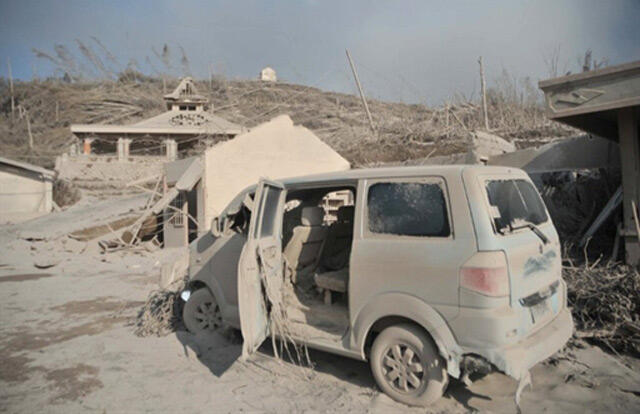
<point>201,313</point>
<point>407,366</point>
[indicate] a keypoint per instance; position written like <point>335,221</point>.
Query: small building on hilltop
<point>186,121</point>
<point>26,191</point>
<point>268,74</point>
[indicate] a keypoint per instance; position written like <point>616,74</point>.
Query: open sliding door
<point>260,270</point>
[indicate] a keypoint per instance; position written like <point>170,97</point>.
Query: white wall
<point>19,194</point>
<point>276,149</point>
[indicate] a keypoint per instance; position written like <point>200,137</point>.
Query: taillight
<point>486,273</point>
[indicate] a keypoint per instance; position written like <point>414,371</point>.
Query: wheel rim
<point>402,368</point>
<point>207,315</point>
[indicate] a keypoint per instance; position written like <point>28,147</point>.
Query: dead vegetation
<point>605,303</point>
<point>404,131</point>
<point>65,193</point>
<point>161,314</point>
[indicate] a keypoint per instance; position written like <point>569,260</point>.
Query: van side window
<point>408,209</point>
<point>270,213</point>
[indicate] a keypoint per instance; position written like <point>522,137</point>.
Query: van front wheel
<point>201,313</point>
<point>407,366</point>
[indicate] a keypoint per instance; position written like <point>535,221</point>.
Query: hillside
<point>404,131</point>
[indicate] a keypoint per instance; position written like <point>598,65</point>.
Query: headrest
<point>345,213</point>
<point>312,216</point>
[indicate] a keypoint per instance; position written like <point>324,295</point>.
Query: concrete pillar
<point>200,207</point>
<point>48,196</point>
<point>171,148</point>
<point>73,150</point>
<point>629,134</point>
<point>126,142</point>
<point>120,149</point>
<point>86,147</point>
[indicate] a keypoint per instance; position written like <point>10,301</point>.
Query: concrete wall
<point>276,149</point>
<point>24,193</point>
<point>102,173</point>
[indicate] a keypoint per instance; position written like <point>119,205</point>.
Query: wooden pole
<point>29,131</point>
<point>210,78</point>
<point>364,100</point>
<point>635,219</point>
<point>483,88</point>
<point>446,119</point>
<point>13,102</point>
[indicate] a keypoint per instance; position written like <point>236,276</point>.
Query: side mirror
<point>216,228</point>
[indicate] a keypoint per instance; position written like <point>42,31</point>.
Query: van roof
<point>385,172</point>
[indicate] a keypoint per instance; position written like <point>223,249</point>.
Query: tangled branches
<point>161,314</point>
<point>605,303</point>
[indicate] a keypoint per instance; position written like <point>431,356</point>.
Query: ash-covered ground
<point>68,344</point>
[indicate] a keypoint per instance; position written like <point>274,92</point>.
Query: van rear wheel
<point>201,313</point>
<point>407,366</point>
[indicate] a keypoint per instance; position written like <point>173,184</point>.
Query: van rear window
<point>408,209</point>
<point>514,202</point>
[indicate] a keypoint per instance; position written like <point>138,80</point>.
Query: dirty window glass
<point>270,210</point>
<point>513,202</point>
<point>408,209</point>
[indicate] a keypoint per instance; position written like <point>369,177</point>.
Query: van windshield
<point>514,203</point>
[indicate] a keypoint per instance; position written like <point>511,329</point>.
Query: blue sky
<point>412,51</point>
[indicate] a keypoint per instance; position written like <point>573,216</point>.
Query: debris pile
<point>605,303</point>
<point>161,314</point>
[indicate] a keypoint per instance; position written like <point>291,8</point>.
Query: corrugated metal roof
<point>28,167</point>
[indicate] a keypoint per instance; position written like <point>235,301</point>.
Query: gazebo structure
<point>186,121</point>
<point>606,102</point>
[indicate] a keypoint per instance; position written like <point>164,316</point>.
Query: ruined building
<point>187,120</point>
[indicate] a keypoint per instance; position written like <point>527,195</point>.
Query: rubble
<point>175,269</point>
<point>85,214</point>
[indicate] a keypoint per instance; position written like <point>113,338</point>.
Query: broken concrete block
<point>487,145</point>
<point>174,268</point>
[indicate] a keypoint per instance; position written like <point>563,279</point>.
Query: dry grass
<point>161,313</point>
<point>605,303</point>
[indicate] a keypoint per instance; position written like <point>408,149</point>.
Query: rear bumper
<point>516,359</point>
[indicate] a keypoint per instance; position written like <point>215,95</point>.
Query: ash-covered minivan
<point>426,272</point>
